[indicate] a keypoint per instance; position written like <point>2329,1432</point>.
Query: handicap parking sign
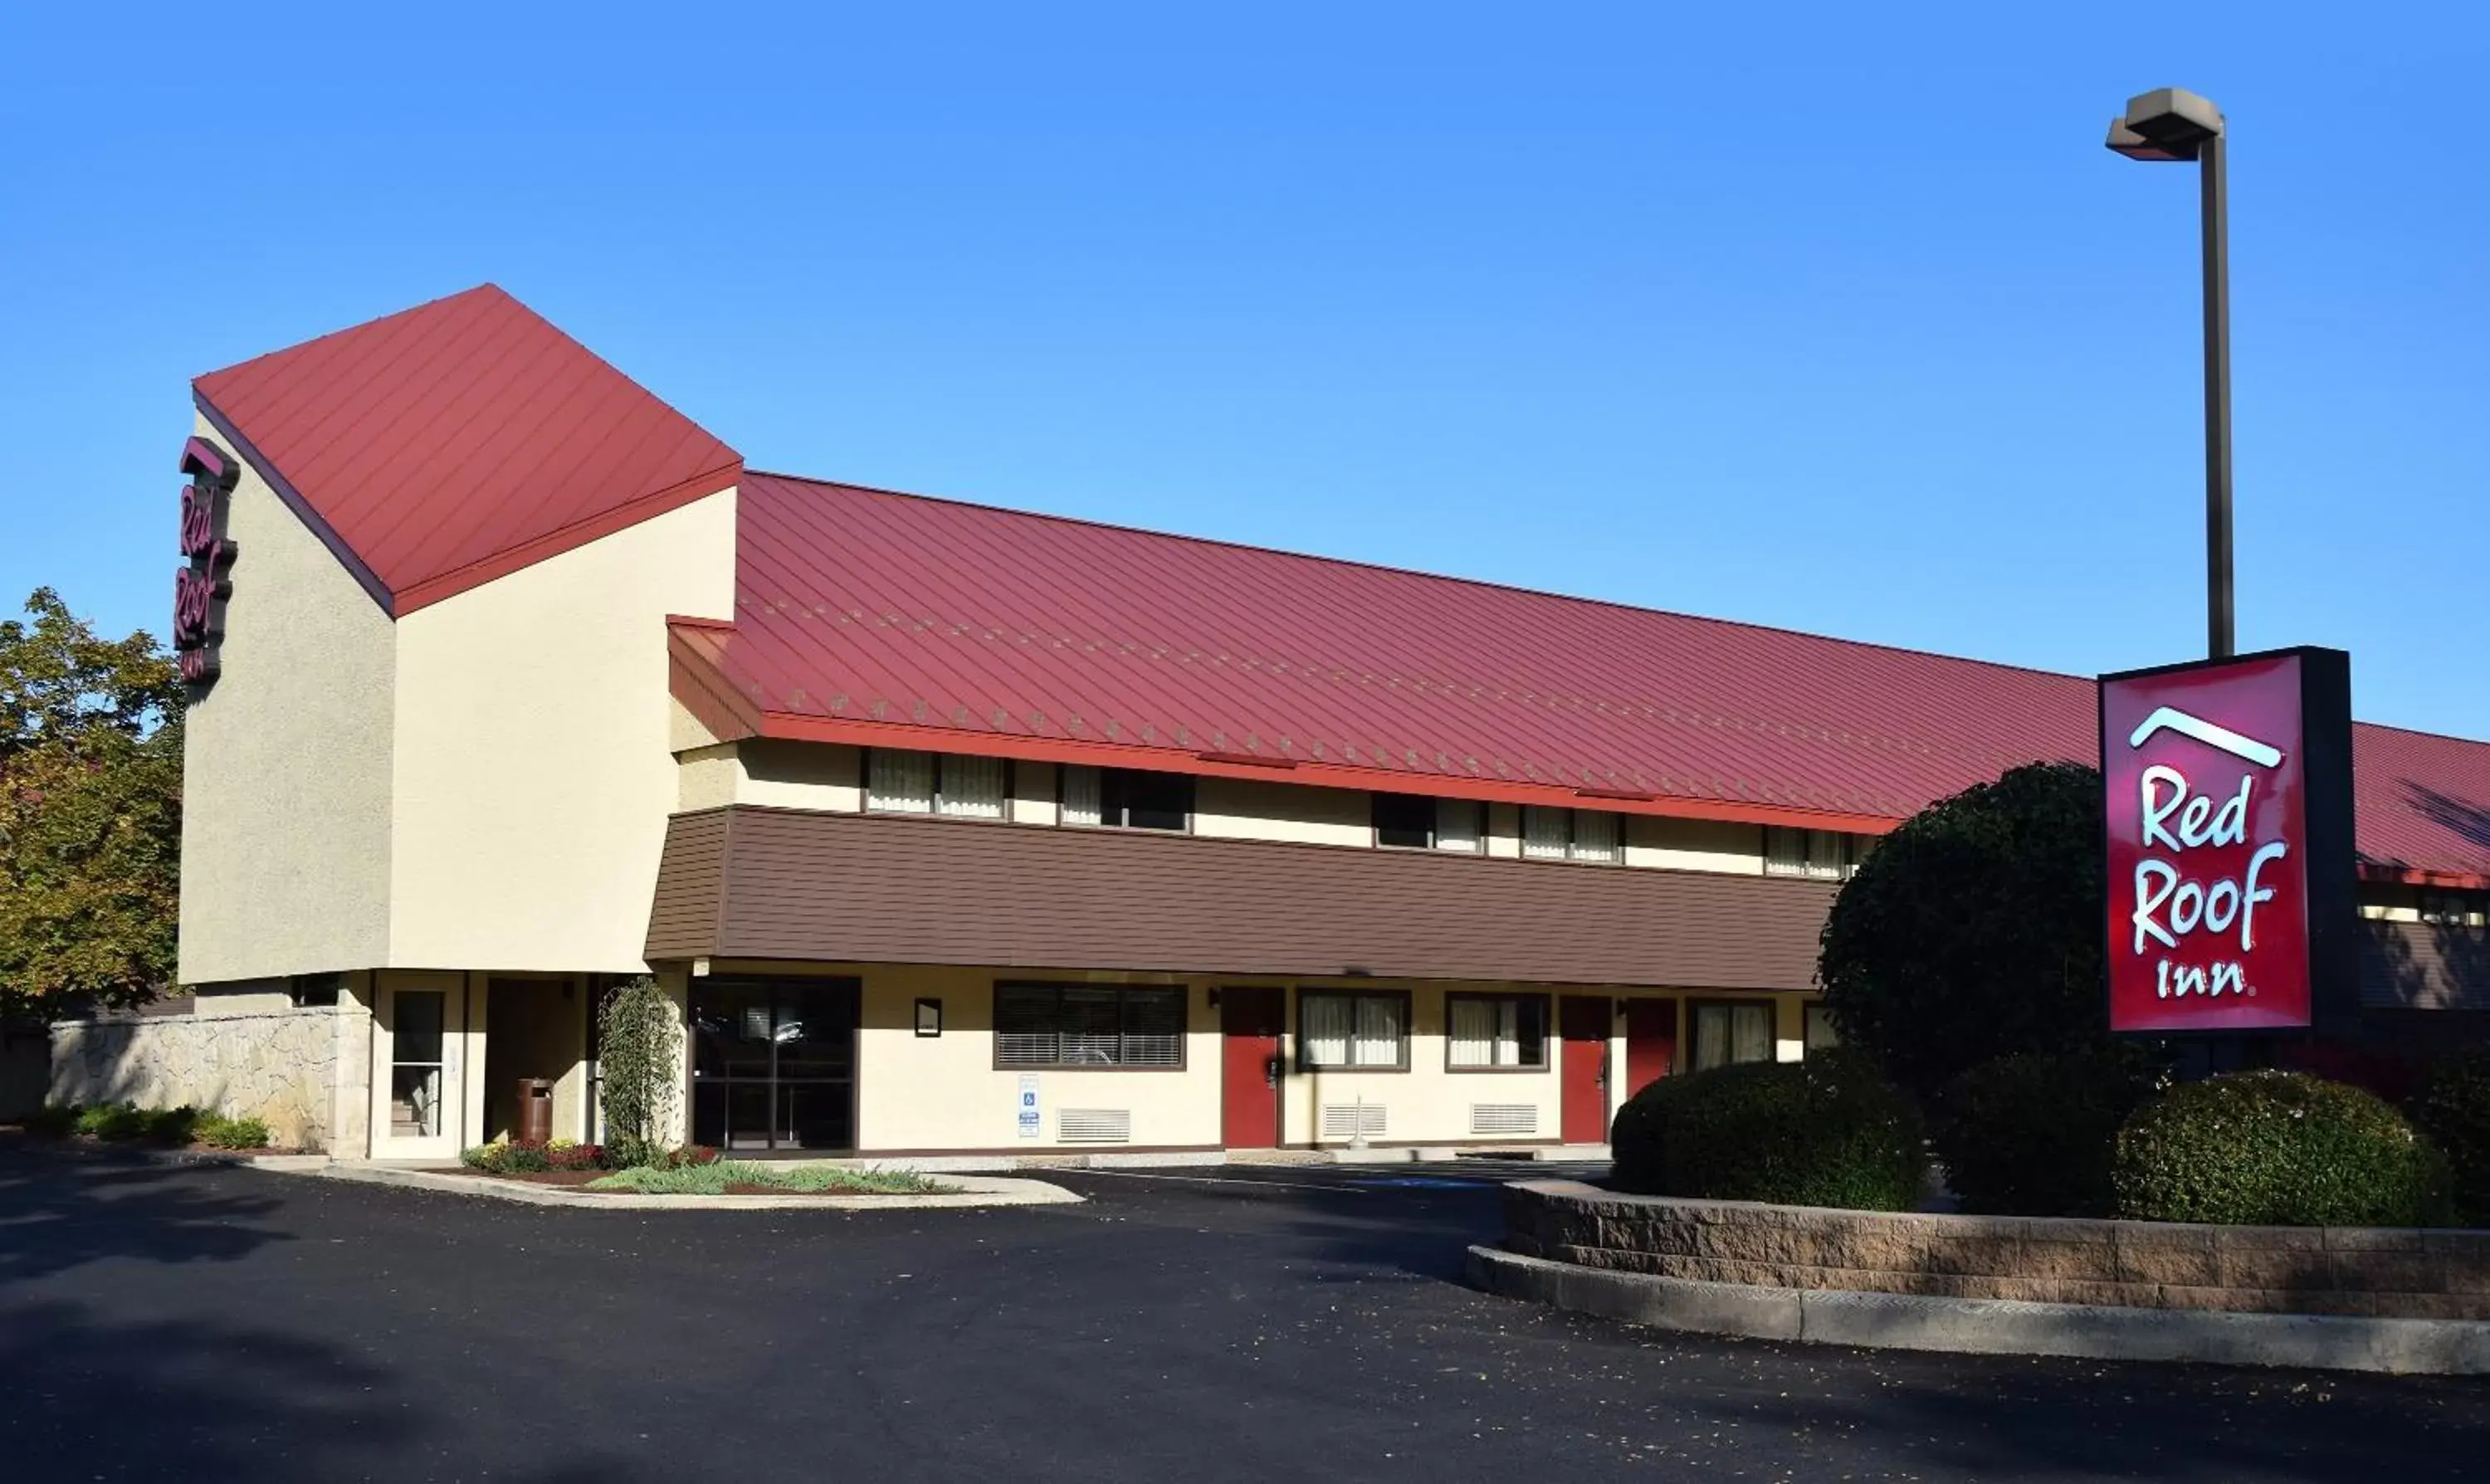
<point>1028,1111</point>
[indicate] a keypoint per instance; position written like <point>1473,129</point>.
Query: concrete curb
<point>974,1191</point>
<point>1991,1327</point>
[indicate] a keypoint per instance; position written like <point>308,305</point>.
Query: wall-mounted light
<point>929,1018</point>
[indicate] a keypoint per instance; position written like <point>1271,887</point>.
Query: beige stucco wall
<point>1250,809</point>
<point>1694,845</point>
<point>532,774</point>
<point>944,1093</point>
<point>286,762</point>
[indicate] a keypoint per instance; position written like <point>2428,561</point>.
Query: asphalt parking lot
<point>212,1324</point>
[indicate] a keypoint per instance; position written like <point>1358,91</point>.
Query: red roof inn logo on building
<point>2226,886</point>
<point>200,587</point>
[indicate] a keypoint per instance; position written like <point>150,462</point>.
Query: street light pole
<point>2219,632</point>
<point>2174,123</point>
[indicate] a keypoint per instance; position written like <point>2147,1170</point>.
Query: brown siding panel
<point>683,918</point>
<point>796,884</point>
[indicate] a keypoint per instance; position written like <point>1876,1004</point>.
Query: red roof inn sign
<point>201,586</point>
<point>2227,797</point>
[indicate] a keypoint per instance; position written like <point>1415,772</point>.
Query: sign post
<point>2227,820</point>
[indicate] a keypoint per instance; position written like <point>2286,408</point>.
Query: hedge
<point>2034,1135</point>
<point>2277,1149</point>
<point>1825,1131</point>
<point>2452,1108</point>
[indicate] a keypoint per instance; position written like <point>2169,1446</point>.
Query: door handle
<point>1271,1072</point>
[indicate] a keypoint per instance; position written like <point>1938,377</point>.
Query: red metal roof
<point>871,616</point>
<point>459,441</point>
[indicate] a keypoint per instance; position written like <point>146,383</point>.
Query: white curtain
<point>1081,801</point>
<point>973,787</point>
<point>1378,1030</point>
<point>1750,1032</point>
<point>1785,851</point>
<point>1595,835</point>
<point>1486,1032</point>
<point>1324,1029</point>
<point>1473,1033</point>
<point>1543,833</point>
<point>1828,853</point>
<point>901,781</point>
<point>1457,824</point>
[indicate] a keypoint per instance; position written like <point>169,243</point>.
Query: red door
<point>1651,1043</point>
<point>1249,1022</point>
<point>1582,1022</point>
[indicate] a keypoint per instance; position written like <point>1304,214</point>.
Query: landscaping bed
<point>684,1172</point>
<point>126,1125</point>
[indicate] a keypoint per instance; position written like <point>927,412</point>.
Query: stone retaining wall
<point>278,1067</point>
<point>2387,1272</point>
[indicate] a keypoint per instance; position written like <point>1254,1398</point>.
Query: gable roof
<point>864,615</point>
<point>456,442</point>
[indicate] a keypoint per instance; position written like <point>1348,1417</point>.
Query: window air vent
<point>1094,1125</point>
<point>1342,1121</point>
<point>1503,1121</point>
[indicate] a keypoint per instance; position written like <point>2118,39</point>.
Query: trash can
<point>536,1111</point>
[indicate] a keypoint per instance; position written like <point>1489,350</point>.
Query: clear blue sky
<point>1836,319</point>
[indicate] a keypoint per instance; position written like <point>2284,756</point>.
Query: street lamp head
<point>2165,124</point>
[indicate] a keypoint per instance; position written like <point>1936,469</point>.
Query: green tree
<point>1974,931</point>
<point>90,814</point>
<point>639,1059</point>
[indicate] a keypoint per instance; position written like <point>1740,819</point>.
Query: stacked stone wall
<point>280,1067</point>
<point>2386,1272</point>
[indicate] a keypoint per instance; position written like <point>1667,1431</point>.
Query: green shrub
<point>171,1127</point>
<point>2452,1108</point>
<point>2277,1149</point>
<point>223,1133</point>
<point>2034,1135</point>
<point>512,1156</point>
<point>640,1058</point>
<point>1825,1131</point>
<point>54,1121</point>
<point>1974,931</point>
<point>116,1121</point>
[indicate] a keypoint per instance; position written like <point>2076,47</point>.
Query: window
<point>1819,854</point>
<point>1090,1025</point>
<point>1495,1030</point>
<point>899,781</point>
<point>773,1063</point>
<point>314,989</point>
<point>1729,1032</point>
<point>2443,909</point>
<point>1126,799</point>
<point>1820,1033</point>
<point>1410,822</point>
<point>1366,1030</point>
<point>1569,834</point>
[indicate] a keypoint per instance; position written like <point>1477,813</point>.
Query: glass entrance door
<point>774,1063</point>
<point>419,1093</point>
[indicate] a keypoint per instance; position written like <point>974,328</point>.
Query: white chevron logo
<point>2169,719</point>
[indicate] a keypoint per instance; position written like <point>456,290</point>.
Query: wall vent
<point>1342,1121</point>
<point>1503,1121</point>
<point>1094,1125</point>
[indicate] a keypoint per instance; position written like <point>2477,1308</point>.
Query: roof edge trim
<point>791,727</point>
<point>292,501</point>
<point>2415,876</point>
<point>569,537</point>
